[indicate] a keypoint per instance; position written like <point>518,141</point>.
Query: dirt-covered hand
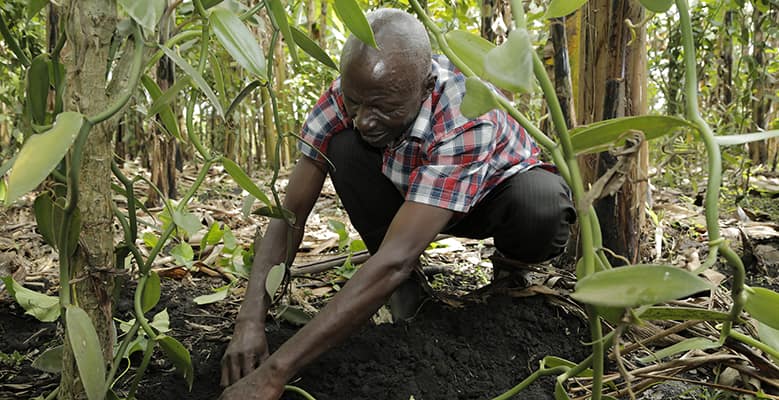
<point>259,385</point>
<point>247,349</point>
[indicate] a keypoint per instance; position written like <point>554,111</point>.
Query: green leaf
<point>86,349</point>
<point>150,239</point>
<point>601,136</point>
<point>44,308</point>
<point>38,88</point>
<point>3,190</point>
<point>561,8</point>
<point>161,103</point>
<point>213,236</point>
<point>187,221</point>
<point>275,212</point>
<point>294,315</point>
<point>762,304</point>
<point>245,92</point>
<point>559,392</point>
<point>229,239</point>
<point>478,99</point>
<point>472,49</point>
<point>697,343</point>
<point>151,292</point>
<point>196,77</point>
<point>357,245</point>
<point>180,357</point>
<point>183,254</point>
<point>636,285</point>
<point>657,6</point>
<point>312,48</point>
<point>44,218</point>
<point>280,16</point>
<point>49,361</point>
<point>219,79</point>
<point>731,140</point>
<point>146,13</point>
<point>510,65</point>
<point>351,14</point>
<point>161,321</point>
<point>210,3</point>
<point>218,295</point>
<point>683,314</point>
<point>274,279</point>
<point>244,181</point>
<point>769,336</point>
<point>239,42</point>
<point>41,153</point>
<point>74,232</point>
<point>34,7</point>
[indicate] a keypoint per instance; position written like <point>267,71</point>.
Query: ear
<point>429,85</point>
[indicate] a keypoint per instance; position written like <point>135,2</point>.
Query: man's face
<point>382,101</point>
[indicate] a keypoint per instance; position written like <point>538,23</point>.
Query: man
<point>408,166</point>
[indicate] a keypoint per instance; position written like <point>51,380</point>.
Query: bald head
<point>403,55</point>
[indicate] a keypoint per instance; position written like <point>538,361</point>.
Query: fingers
<point>248,364</point>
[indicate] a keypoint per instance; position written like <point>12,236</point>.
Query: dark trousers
<point>528,214</point>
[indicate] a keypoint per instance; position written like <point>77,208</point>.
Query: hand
<point>261,384</point>
<point>246,351</point>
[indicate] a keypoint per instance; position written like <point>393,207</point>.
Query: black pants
<point>528,215</point>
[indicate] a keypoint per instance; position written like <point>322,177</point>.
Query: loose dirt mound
<point>474,352</point>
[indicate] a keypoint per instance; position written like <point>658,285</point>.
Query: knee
<point>341,147</point>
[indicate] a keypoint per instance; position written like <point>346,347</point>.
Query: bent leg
<point>529,216</point>
<point>370,198</point>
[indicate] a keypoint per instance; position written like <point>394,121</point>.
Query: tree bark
<point>758,151</point>
<point>613,84</point>
<point>90,25</point>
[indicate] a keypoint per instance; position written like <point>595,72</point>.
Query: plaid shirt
<point>446,160</point>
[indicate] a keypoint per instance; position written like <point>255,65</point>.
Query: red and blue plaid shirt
<point>446,160</point>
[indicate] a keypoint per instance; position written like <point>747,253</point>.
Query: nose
<point>364,120</point>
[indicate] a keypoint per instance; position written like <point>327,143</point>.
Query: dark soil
<point>474,352</point>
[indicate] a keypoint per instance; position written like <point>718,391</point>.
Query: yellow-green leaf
<point>510,65</point>
<point>769,336</point>
<point>601,136</point>
<point>146,13</point>
<point>561,8</point>
<point>87,351</point>
<point>238,40</point>
<point>161,103</point>
<point>351,14</point>
<point>38,88</point>
<point>244,181</point>
<point>697,343</point>
<point>658,6</point>
<point>763,305</point>
<point>49,361</point>
<point>44,218</point>
<point>472,49</point>
<point>478,99</point>
<point>180,357</point>
<point>151,292</point>
<point>636,285</point>
<point>312,48</point>
<point>44,308</point>
<point>35,6</point>
<point>274,279</point>
<point>218,295</point>
<point>41,153</point>
<point>196,77</point>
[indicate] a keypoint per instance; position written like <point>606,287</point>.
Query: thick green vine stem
<point>135,77</point>
<point>714,166</point>
<point>750,341</point>
<point>530,379</point>
<point>109,382</point>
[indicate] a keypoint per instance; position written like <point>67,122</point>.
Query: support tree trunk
<point>612,85</point>
<point>89,26</point>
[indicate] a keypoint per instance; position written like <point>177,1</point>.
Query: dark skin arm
<point>412,229</point>
<point>248,348</point>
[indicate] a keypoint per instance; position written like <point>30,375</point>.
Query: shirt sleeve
<point>326,118</point>
<point>454,175</point>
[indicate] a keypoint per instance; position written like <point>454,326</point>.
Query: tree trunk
<point>268,129</point>
<point>613,84</point>
<point>90,25</point>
